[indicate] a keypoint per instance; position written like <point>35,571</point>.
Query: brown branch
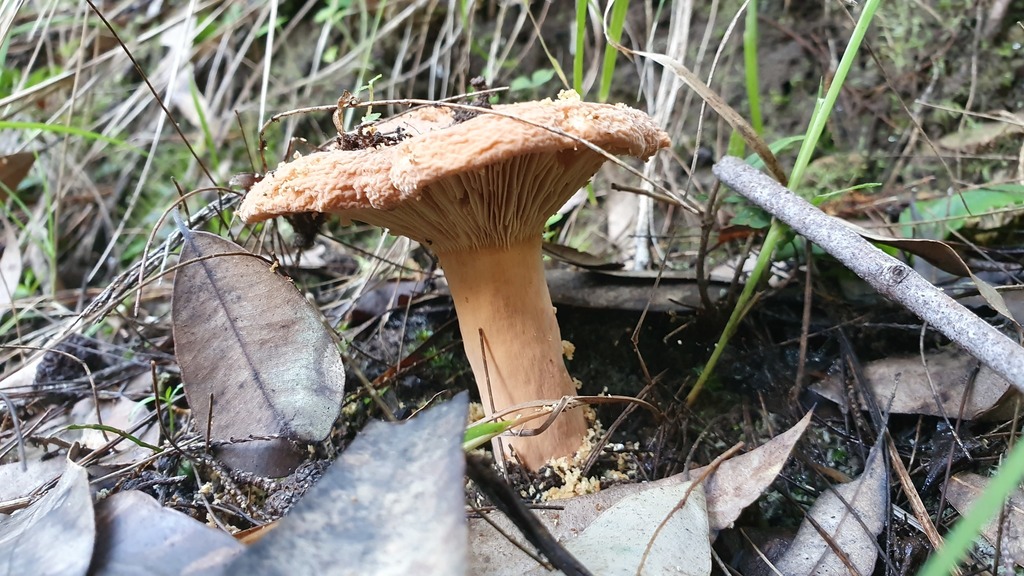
<point>890,277</point>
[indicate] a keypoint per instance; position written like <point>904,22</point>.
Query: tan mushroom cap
<point>488,180</point>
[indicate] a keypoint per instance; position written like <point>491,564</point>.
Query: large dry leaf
<point>944,257</point>
<point>739,481</point>
<point>247,338</point>
<point>1014,300</point>
<point>940,254</point>
<point>136,535</point>
<point>852,516</point>
<point>392,504</point>
<point>981,134</point>
<point>900,385</point>
<point>626,540</point>
<point>54,535</point>
<point>10,265</point>
<point>735,484</point>
<point>16,482</point>
<point>964,488</point>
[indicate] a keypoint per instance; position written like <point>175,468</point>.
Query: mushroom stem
<point>502,293</point>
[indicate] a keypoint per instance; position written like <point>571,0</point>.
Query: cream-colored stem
<point>502,292</point>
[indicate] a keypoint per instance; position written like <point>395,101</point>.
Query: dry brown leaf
<point>900,385</point>
<point>492,554</point>
<point>737,482</point>
<point>385,296</point>
<point>17,483</point>
<point>391,504</point>
<point>979,136</point>
<point>943,256</point>
<point>136,535</point>
<point>964,488</point>
<point>13,169</point>
<point>632,290</point>
<point>247,338</point>
<point>641,533</point>
<point>852,516</point>
<point>64,517</point>
<point>940,254</point>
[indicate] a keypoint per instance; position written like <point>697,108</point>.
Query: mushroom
<point>477,193</point>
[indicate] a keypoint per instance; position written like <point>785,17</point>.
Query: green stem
<point>581,43</point>
<point>112,430</point>
<point>778,230</point>
<point>618,21</point>
<point>750,67</point>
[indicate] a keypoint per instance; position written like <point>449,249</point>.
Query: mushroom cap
<point>488,180</point>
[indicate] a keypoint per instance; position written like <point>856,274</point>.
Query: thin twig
<point>708,471</point>
<point>505,499</point>
<point>16,424</point>
<point>916,504</point>
<point>889,276</point>
<point>490,521</point>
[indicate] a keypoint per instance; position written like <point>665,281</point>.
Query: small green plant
<point>581,42</point>
<point>169,396</point>
<point>528,86</point>
<point>370,115</point>
<point>333,12</point>
<point>778,232</point>
<point>549,227</point>
<point>748,215</point>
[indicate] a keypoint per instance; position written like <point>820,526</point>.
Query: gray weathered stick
<point>889,276</point>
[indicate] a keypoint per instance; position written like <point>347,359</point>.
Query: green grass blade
<point>618,21</point>
<point>72,130</point>
<point>581,43</point>
<point>204,123</point>
<point>112,430</point>
<point>778,230</point>
<point>750,67</point>
<point>819,119</point>
<point>480,434</point>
